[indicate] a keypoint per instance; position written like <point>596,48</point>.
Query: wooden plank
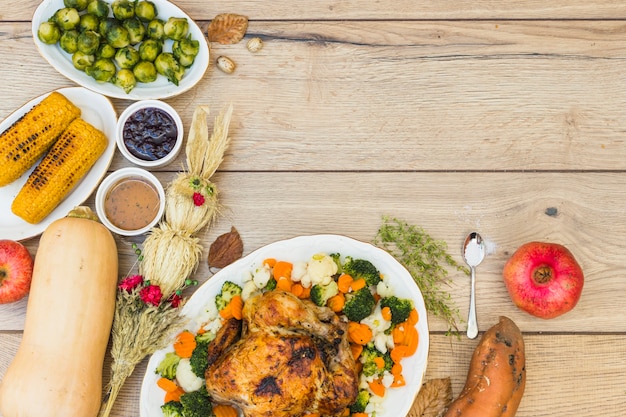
<point>432,95</point>
<point>402,9</point>
<point>508,209</point>
<point>551,388</point>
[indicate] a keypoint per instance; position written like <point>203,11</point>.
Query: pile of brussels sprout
<point>121,42</point>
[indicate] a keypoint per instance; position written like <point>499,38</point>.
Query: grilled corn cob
<point>70,158</point>
<point>22,144</point>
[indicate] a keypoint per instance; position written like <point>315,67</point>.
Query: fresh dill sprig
<point>427,260</point>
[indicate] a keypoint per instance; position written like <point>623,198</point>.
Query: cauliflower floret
<point>208,313</point>
<point>387,379</point>
<point>383,342</point>
<point>249,289</point>
<point>320,269</point>
<point>376,321</point>
<point>375,406</point>
<point>384,288</point>
<point>185,377</point>
<point>213,325</point>
<point>298,271</point>
<point>261,276</point>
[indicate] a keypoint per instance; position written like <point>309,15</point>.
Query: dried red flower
<point>130,283</point>
<point>198,199</point>
<point>176,300</point>
<point>151,294</point>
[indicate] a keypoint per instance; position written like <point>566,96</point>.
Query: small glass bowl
<point>142,105</point>
<point>116,178</point>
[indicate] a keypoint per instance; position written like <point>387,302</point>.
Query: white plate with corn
<point>34,193</point>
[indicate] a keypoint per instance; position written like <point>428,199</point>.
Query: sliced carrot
<point>284,284</point>
<point>336,302</point>
<point>359,333</point>
<point>227,312</point>
<point>411,340</point>
<point>380,362</point>
<point>167,385</point>
<point>236,306</point>
<point>173,395</point>
<point>282,269</point>
<point>344,282</point>
<point>311,415</point>
<point>223,410</point>
<point>359,415</point>
<point>396,369</point>
<point>357,284</point>
<point>398,381</point>
<point>269,262</point>
<point>185,344</point>
<point>306,293</point>
<point>398,335</point>
<point>386,313</point>
<point>398,352</point>
<point>377,387</point>
<point>345,412</point>
<point>297,289</point>
<point>356,350</point>
<point>413,318</point>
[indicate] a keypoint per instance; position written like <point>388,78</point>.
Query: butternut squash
<point>57,370</point>
<point>497,375</point>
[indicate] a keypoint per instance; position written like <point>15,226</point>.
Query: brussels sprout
<point>98,8</point>
<point>79,5</point>
<point>105,51</point>
<point>82,61</point>
<point>145,72</point>
<point>69,41</point>
<point>136,30</point>
<point>88,42</point>
<point>126,57</point>
<point>106,25</point>
<point>102,70</point>
<point>167,65</point>
<point>146,10</point>
<point>88,21</point>
<point>176,28</point>
<point>155,29</point>
<point>185,51</point>
<point>49,33</point>
<point>67,18</point>
<point>150,49</point>
<point>117,36</point>
<point>125,79</point>
<point>123,9</point>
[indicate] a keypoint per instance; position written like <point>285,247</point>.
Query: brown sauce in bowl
<point>131,204</point>
<point>150,134</point>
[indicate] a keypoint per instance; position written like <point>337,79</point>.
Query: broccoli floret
<point>359,304</point>
<point>337,258</point>
<point>368,359</point>
<point>205,337</point>
<point>361,268</point>
<point>172,409</point>
<point>271,284</point>
<point>199,359</point>
<point>321,293</point>
<point>400,308</point>
<point>167,367</point>
<point>229,290</point>
<point>362,399</point>
<point>196,403</point>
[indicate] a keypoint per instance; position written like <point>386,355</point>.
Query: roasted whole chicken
<point>291,357</point>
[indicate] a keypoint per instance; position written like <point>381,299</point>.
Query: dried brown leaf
<point>227,28</point>
<point>226,249</point>
<point>433,398</point>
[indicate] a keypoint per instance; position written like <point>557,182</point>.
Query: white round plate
<point>398,401</point>
<point>96,110</point>
<point>159,89</point>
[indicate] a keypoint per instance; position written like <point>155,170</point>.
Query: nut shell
<point>226,64</point>
<point>255,45</point>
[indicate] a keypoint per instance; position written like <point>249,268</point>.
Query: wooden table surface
<point>504,117</point>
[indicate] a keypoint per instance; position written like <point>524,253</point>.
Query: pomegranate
<point>543,279</point>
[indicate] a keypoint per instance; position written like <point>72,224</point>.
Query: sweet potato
<point>497,375</point>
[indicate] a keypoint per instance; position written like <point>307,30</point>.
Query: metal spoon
<point>473,254</point>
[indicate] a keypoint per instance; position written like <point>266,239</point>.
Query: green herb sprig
<point>427,260</point>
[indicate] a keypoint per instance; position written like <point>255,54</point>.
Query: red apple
<point>16,271</point>
<point>543,279</point>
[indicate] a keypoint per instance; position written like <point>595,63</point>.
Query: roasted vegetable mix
<point>381,327</point>
<point>124,42</point>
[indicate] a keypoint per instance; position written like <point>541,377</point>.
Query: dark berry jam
<point>150,133</point>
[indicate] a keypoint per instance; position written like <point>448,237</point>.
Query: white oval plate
<point>399,401</point>
<point>95,109</point>
<point>159,89</point>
